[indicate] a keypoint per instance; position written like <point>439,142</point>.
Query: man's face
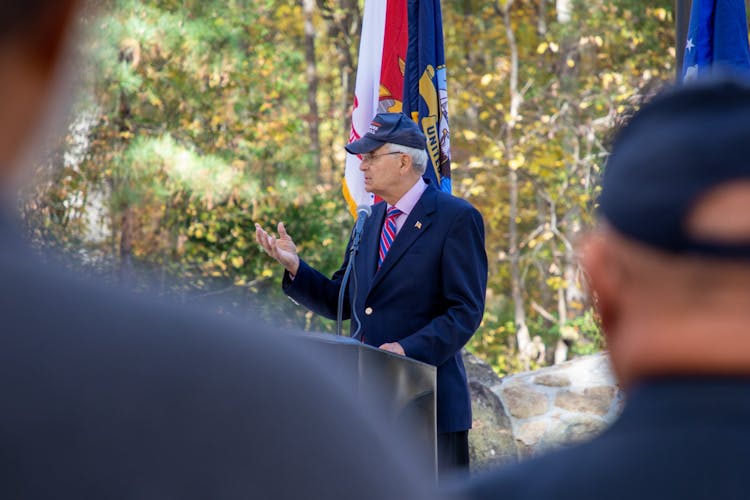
<point>382,170</point>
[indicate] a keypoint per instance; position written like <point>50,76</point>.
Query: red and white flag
<point>380,82</point>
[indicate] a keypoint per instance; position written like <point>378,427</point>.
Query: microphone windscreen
<point>364,211</point>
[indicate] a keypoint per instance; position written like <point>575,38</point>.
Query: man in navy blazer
<point>669,265</point>
<point>419,278</point>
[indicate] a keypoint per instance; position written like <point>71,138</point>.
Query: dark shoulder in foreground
<point>691,447</point>
<point>114,396</point>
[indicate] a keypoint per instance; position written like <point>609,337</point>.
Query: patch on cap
<point>393,128</point>
<point>374,126</point>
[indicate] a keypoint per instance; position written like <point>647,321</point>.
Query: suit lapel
<point>367,261</point>
<point>415,226</point>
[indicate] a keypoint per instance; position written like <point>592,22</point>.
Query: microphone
<point>363,212</point>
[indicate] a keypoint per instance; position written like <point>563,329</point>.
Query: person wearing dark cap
<point>669,270</point>
<point>420,273</point>
<point>107,395</point>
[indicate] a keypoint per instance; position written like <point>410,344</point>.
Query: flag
<point>425,96</point>
<point>717,37</point>
<point>379,83</point>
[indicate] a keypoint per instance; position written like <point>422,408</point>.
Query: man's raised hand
<point>282,248</point>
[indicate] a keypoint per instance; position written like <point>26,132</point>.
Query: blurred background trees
<point>196,119</point>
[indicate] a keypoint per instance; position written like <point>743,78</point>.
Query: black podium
<point>402,387</point>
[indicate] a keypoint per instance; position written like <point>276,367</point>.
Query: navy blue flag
<point>717,37</point>
<point>425,96</point>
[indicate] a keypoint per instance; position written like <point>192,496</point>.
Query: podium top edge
<point>327,337</point>
<point>341,340</point>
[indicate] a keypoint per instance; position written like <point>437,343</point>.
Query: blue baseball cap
<point>394,128</point>
<point>676,149</point>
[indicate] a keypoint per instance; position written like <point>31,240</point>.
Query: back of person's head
<point>672,253</point>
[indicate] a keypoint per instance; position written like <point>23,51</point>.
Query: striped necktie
<point>388,234</point>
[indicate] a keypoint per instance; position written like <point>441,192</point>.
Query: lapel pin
<point>418,225</point>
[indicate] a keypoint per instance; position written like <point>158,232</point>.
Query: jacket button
<point>368,310</point>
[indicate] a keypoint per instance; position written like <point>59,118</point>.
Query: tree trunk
<point>541,20</point>
<point>308,9</point>
<point>126,247</point>
<point>125,271</point>
<point>473,59</point>
<point>564,10</point>
<point>351,27</point>
<point>523,336</point>
<point>344,19</point>
<point>561,347</point>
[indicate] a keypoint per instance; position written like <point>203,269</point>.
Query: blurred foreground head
<point>669,264</point>
<point>33,36</point>
<point>116,396</point>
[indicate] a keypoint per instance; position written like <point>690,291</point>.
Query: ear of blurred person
<point>111,395</point>
<point>655,308</point>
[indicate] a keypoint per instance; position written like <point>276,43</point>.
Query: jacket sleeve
<point>464,279</point>
<point>317,292</point>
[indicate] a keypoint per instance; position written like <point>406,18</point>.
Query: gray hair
<point>418,156</point>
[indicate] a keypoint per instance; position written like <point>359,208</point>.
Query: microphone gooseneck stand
<point>363,212</point>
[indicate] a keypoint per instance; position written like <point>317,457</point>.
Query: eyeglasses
<point>371,157</point>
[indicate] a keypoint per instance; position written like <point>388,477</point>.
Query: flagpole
<point>681,21</point>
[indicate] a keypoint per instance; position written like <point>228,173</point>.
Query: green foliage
<point>495,343</point>
<point>588,338</point>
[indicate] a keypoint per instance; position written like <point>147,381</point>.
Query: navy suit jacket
<point>428,295</point>
<point>686,438</point>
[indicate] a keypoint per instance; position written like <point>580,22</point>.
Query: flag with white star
<point>717,37</point>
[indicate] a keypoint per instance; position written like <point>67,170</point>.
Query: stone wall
<point>526,413</point>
